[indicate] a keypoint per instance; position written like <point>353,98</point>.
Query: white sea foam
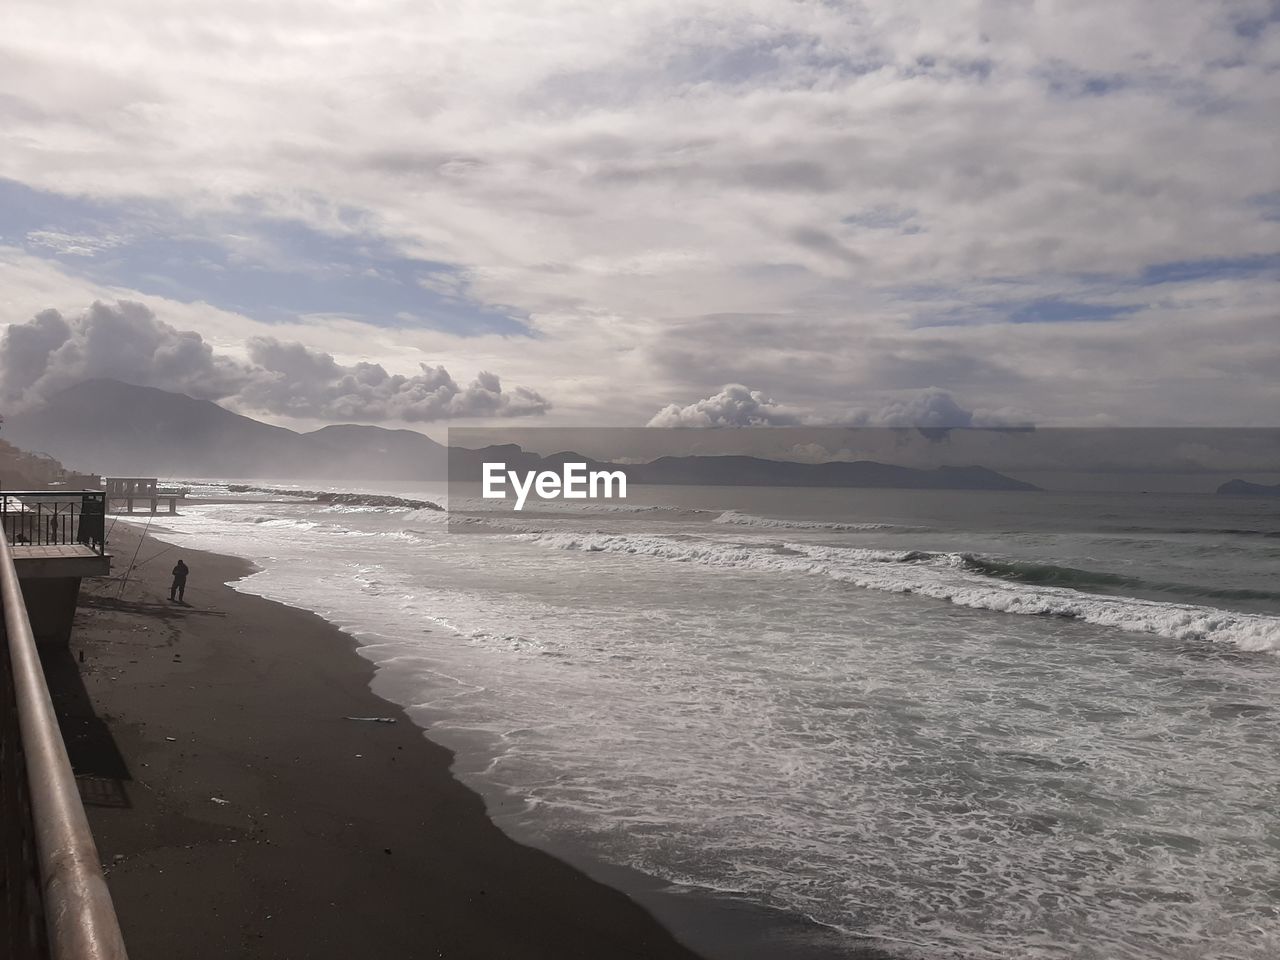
<point>716,709</point>
<point>435,518</point>
<point>734,518</point>
<point>944,577</point>
<point>570,507</point>
<point>296,523</point>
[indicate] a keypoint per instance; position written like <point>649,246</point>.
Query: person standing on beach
<point>179,582</point>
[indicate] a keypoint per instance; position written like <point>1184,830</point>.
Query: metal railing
<point>54,518</point>
<point>56,903</point>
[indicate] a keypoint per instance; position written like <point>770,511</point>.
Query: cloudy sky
<point>710,211</point>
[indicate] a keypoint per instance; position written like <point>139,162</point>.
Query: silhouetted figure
<point>179,582</point>
<point>92,530</point>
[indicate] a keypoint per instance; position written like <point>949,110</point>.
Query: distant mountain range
<point>1243,488</point>
<point>119,429</point>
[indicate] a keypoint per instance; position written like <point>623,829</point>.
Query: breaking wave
<point>1198,531</point>
<point>1021,571</point>
<point>582,508</point>
<point>957,578</point>
<point>734,518</point>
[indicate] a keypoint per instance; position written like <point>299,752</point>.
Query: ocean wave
<point>427,515</point>
<point>1022,571</point>
<point>1199,531</point>
<point>949,577</point>
<point>781,557</point>
<point>734,518</point>
<point>295,523</point>
<point>576,508</point>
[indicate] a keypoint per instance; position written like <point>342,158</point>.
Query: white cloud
<point>73,244</point>
<point>127,342</point>
<point>738,406</point>
<point>862,177</point>
<point>292,380</point>
<point>733,406</point>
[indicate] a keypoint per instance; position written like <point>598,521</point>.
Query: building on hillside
<point>32,470</point>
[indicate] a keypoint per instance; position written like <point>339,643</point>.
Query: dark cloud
<point>933,409</point>
<point>704,350</point>
<point>784,176</point>
<point>919,362</point>
<point>126,341</point>
<point>929,408</point>
<point>27,348</point>
<point>798,175</point>
<point>819,241</point>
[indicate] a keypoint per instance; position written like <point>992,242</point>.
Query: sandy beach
<point>240,813</point>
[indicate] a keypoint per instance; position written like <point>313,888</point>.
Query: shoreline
<point>238,813</point>
<point>280,850</point>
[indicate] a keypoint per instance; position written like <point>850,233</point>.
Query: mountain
<point>1243,488</point>
<point>119,429</point>
<point>125,430</point>
<point>352,450</point>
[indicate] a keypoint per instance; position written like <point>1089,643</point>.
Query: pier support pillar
<point>51,607</point>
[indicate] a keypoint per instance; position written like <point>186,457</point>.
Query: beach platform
<point>56,540</point>
<point>37,561</point>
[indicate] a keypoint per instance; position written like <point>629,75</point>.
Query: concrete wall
<point>51,606</point>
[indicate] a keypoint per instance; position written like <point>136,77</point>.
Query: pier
<point>126,493</point>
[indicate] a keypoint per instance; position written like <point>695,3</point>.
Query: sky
<point>710,212</point>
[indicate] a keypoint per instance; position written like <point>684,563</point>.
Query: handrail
<point>80,920</point>
<point>55,518</point>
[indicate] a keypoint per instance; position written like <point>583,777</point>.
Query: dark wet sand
<point>240,815</point>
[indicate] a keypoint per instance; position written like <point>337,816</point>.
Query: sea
<point>944,724</point>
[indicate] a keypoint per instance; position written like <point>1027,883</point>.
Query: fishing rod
<point>124,582</point>
<point>172,546</point>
